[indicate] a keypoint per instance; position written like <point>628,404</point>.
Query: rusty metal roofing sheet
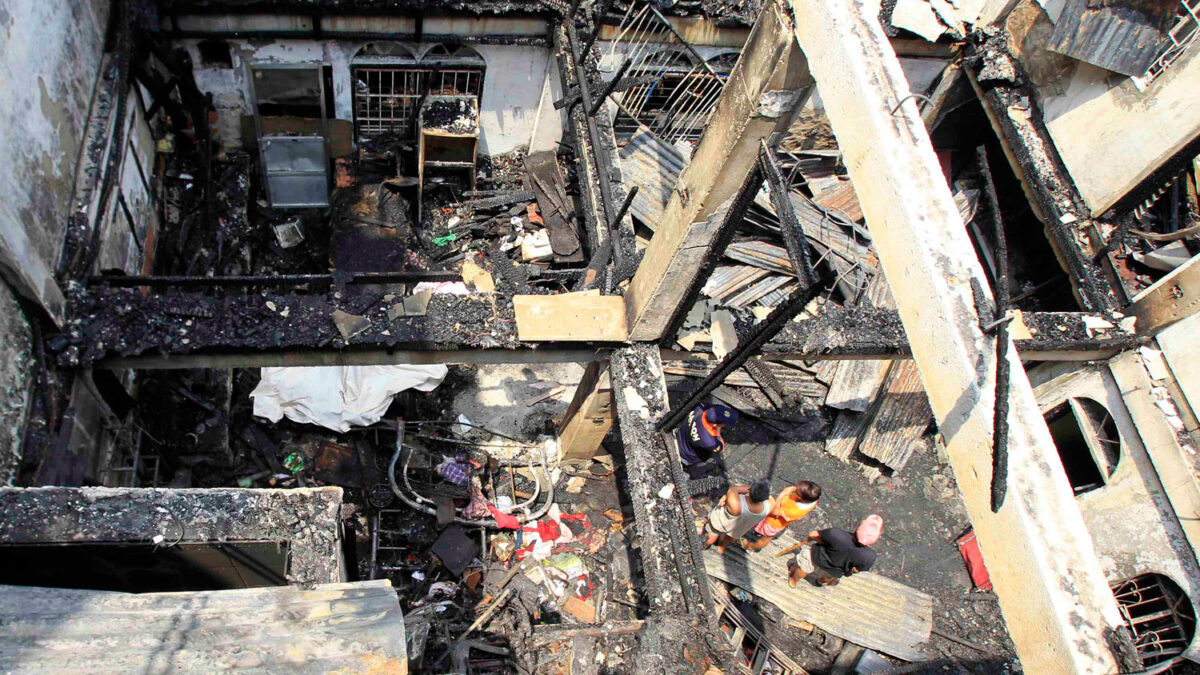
<point>866,609</point>
<point>654,166</point>
<point>1124,36</point>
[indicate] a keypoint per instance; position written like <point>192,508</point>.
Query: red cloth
<point>504,520</point>
<point>581,517</point>
<point>548,530</point>
<point>969,548</point>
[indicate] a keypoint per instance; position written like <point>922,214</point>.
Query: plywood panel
<point>570,317</point>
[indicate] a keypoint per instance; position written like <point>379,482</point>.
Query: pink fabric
<point>869,530</point>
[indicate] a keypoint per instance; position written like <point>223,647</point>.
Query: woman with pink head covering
<point>835,553</point>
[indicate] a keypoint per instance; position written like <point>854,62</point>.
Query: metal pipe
<point>273,279</point>
<point>759,336</point>
<point>487,522</point>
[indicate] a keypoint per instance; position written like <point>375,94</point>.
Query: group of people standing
<point>749,515</point>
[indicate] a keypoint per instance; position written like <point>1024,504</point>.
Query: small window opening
<point>215,53</point>
<point>1087,441</point>
<point>1159,615</point>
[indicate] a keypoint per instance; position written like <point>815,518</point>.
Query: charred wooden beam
<point>1011,103</point>
<point>745,349</point>
<point>121,327</point>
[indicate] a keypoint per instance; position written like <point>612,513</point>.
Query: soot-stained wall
<point>512,88</point>
<point>49,59</point>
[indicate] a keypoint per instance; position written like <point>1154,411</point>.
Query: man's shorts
<point>813,574</point>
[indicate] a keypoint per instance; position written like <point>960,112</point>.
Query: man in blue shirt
<point>700,441</point>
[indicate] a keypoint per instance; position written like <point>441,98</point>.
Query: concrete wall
<point>1100,120</point>
<point>512,85</point>
<point>1131,521</point>
<point>16,381</point>
<point>49,57</point>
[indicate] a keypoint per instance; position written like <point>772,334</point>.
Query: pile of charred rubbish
<point>1159,234</point>
<point>523,234</point>
<point>498,553</point>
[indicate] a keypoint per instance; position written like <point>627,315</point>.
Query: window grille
<point>1182,35</point>
<point>386,97</point>
<point>1159,614</point>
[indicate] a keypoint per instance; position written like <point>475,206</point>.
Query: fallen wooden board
<point>866,609</point>
<point>901,419</point>
<point>570,317</point>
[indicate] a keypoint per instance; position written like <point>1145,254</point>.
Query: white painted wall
<point>1111,136</point>
<point>512,85</point>
<point>1131,521</point>
<point>512,88</point>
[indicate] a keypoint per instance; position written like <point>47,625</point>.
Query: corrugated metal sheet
<point>902,417</point>
<point>728,279</point>
<point>347,628</point>
<point>654,166</point>
<point>866,609</point>
<point>1124,36</point>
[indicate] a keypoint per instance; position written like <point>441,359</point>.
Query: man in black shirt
<point>835,553</point>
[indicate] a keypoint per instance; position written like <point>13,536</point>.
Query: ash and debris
<point>122,322</point>
<point>459,116</point>
<point>469,7</point>
<point>307,519</point>
<point>683,629</point>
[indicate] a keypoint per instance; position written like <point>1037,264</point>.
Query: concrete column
<point>1056,601</point>
<point>769,81</point>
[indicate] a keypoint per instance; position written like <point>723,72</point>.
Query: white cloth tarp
<point>338,397</point>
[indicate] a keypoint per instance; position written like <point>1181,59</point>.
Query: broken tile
<point>417,304</point>
<point>350,325</point>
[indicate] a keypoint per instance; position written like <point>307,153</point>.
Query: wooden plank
<point>866,609</point>
<point>570,317</point>
<point>770,78</point>
<point>547,183</point>
<point>902,417</point>
<point>589,416</point>
<point>1171,298</point>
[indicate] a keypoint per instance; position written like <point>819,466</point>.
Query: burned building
<point>353,335</point>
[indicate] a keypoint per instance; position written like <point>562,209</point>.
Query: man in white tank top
<point>742,507</point>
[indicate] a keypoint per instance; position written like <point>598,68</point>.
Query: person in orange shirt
<point>795,502</point>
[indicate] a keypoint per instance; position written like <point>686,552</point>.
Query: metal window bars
<point>1159,615</point>
<point>675,88</point>
<point>1182,35</point>
<point>386,98</point>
